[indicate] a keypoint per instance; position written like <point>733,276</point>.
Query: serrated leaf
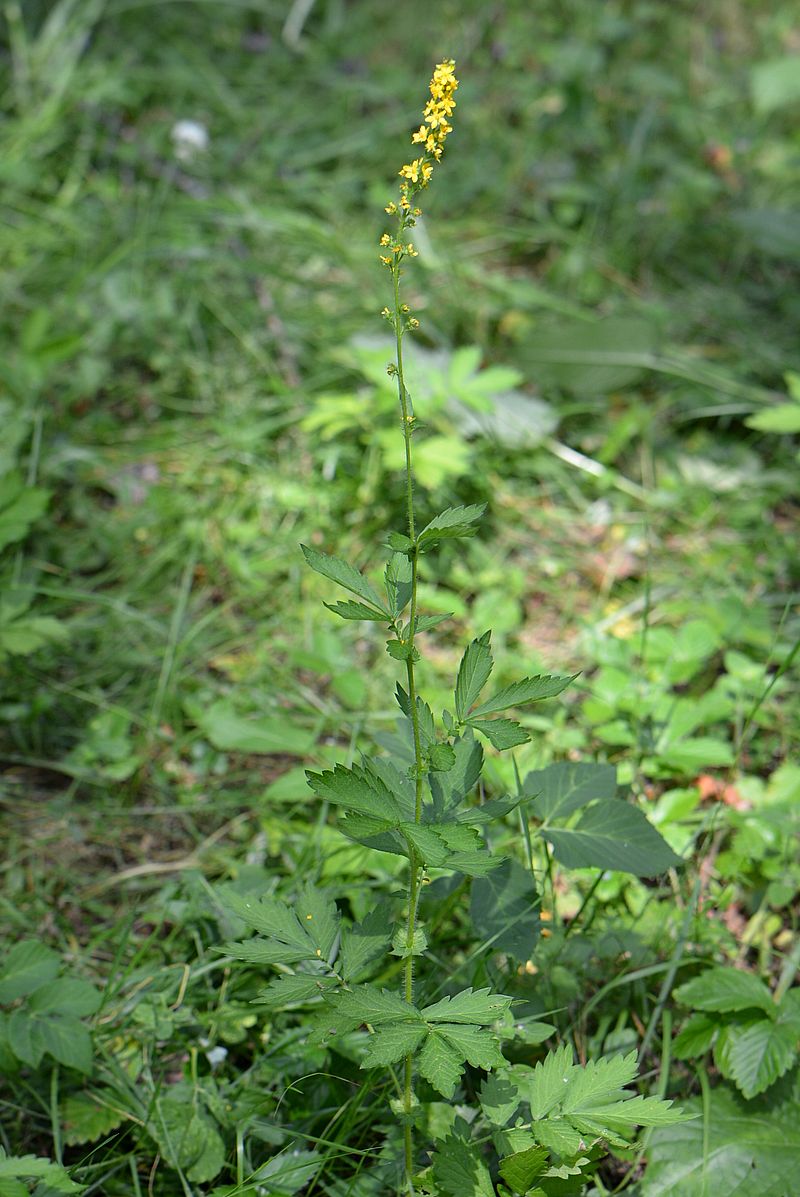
<point>427,730</point>
<point>364,941</point>
<point>696,1037</point>
<point>449,790</point>
<point>726,990</point>
<point>504,910</point>
<point>67,995</point>
<point>529,689</point>
<point>300,987</point>
<point>499,1099</point>
<point>264,951</point>
<point>613,835</point>
<point>566,786</point>
<point>598,1080</point>
<point>67,1040</point>
<point>488,812</point>
<point>367,1004</point>
<point>455,522</point>
<point>441,1064</point>
<point>390,1043</point>
<point>424,623</point>
<point>627,1115</point>
<point>350,609</point>
<point>459,1171</point>
<point>85,1119</point>
<point>397,579</point>
<point>344,575</point>
<point>417,947</point>
<point>356,789</point>
<point>441,758</point>
<point>25,968</point>
<point>270,917</point>
<point>523,1168</point>
<point>38,1168</point>
<point>474,1044</point>
<point>501,733</point>
<point>319,919</point>
<point>545,1085</point>
<point>402,650</point>
<point>754,1054</point>
<point>479,1007</point>
<point>473,674</point>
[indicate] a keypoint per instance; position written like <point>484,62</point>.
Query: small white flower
<point>189,138</point>
<point>216,1055</point>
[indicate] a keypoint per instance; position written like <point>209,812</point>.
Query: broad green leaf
<point>390,1043</point>
<point>523,1168</point>
<point>364,941</point>
<point>264,951</point>
<point>25,1038</point>
<point>67,1040</point>
<point>344,575</point>
<point>499,1099</point>
<point>459,1171</point>
<point>270,917</point>
<point>350,609</point>
<point>504,908</point>
<point>479,1007</point>
<point>501,733</point>
<point>455,522</point>
<point>518,694</point>
<point>25,968</point>
<point>186,1136</point>
<point>357,789</point>
<point>566,786</point>
<point>613,835</point>
<point>597,1080</point>
<point>441,1063</point>
<point>367,1004</point>
<point>441,758</point>
<point>473,674</point>
<point>301,987</point>
<point>85,1117</point>
<point>627,1115</point>
<point>696,1037</point>
<point>544,1085</point>
<point>785,418</point>
<point>319,919</point>
<point>287,1173</point>
<point>397,579</point>
<point>743,1149</point>
<point>263,735</point>
<point>67,995</point>
<point>20,506</point>
<point>474,1044</point>
<point>726,990</point>
<point>755,1053</point>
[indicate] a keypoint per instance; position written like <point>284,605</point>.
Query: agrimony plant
<point>548,1123</point>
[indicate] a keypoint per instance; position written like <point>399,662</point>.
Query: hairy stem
<point>414,865</point>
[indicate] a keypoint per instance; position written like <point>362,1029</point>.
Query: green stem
<point>414,886</point>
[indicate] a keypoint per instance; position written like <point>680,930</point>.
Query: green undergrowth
<point>192,383</point>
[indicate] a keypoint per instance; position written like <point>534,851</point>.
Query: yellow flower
<point>385,239</point>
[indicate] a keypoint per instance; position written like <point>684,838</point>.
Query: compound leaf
<point>390,1043</point>
<point>529,689</point>
<point>473,674</point>
<point>455,522</point>
<point>479,1007</point>
<point>344,575</point>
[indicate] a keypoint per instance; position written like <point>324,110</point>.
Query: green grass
<point>616,226</point>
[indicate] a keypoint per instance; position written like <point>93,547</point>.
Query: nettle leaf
<point>755,1053</point>
<point>363,942</point>
<point>344,575</point>
<point>350,609</point>
<point>566,786</point>
<point>480,1007</point>
<point>459,1171</point>
<point>529,689</point>
<point>523,1168</point>
<point>26,967</point>
<point>391,1043</point>
<point>397,578</point>
<point>357,789</point>
<point>504,910</point>
<point>501,733</point>
<point>726,990</point>
<point>613,834</point>
<point>455,522</point>
<point>473,674</point>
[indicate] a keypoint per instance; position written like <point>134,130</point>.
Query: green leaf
<point>350,609</point>
<point>775,83</point>
<point>441,758</point>
<point>85,1119</point>
<point>501,733</point>
<point>402,650</point>
<point>785,418</point>
<point>450,789</point>
<point>397,578</point>
<point>344,575</point>
<point>67,1040</point>
<point>427,729</point>
<point>696,1037</point>
<point>67,995</point>
<point>265,735</point>
<point>755,1053</point>
<point>363,942</point>
<point>187,1138</point>
<point>613,835</point>
<point>627,1115</point>
<point>726,990</point>
<point>566,786</point>
<point>546,1084</point>
<point>499,1099</point>
<point>367,1004</point>
<point>424,623</point>
<point>473,674</point>
<point>263,951</point>
<point>301,987</point>
<point>441,1064</point>
<point>25,968</point>
<point>388,1044</point>
<point>459,1171</point>
<point>20,506</point>
<point>529,689</point>
<point>455,522</point>
<point>479,1007</point>
<point>522,1169</point>
<point>270,917</point>
<point>37,1168</point>
<point>742,1149</point>
<point>488,812</point>
<point>504,910</point>
<point>357,789</point>
<point>476,1045</point>
<point>597,1080</point>
<point>25,1038</point>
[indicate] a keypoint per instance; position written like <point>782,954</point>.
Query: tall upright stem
<point>414,867</point>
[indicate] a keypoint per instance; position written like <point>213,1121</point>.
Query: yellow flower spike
<point>385,239</point>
